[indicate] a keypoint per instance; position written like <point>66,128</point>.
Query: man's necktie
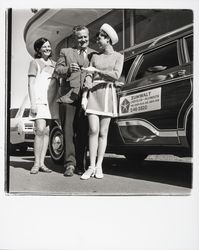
<point>82,56</point>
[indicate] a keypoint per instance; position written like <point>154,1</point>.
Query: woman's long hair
<point>37,46</point>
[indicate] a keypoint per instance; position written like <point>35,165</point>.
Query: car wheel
<point>135,159</point>
<point>56,144</point>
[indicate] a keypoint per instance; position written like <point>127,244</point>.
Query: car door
<point>186,111</point>
<point>149,104</point>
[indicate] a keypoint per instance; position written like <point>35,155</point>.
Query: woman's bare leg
<point>102,142</point>
<point>45,145</point>
<point>93,138</point>
<point>39,139</point>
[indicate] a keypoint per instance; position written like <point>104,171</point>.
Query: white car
<point>21,130</point>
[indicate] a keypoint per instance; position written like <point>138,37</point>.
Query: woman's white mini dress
<point>43,74</point>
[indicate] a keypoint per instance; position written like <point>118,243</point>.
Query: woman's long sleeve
<point>108,69</point>
<point>115,73</point>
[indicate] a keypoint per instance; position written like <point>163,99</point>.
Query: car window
<point>13,113</point>
<point>189,43</point>
<point>158,60</point>
<point>126,68</point>
<point>26,112</point>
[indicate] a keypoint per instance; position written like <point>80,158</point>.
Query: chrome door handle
<point>181,72</point>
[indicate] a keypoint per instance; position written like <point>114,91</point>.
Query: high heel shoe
<point>99,173</point>
<point>90,172</point>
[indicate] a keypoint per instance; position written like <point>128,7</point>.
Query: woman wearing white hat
<point>99,99</point>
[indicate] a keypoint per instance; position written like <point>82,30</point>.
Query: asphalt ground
<point>158,175</point>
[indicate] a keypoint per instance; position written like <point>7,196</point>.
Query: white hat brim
<point>110,32</point>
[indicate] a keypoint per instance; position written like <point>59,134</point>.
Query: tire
<point>56,144</point>
<point>137,159</point>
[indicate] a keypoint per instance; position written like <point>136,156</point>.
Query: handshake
<point>74,67</point>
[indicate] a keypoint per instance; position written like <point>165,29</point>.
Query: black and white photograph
<point>122,115</point>
<point>100,113</point>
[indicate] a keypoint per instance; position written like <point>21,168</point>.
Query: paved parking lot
<point>158,175</point>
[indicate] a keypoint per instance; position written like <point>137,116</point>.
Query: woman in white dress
<point>39,77</point>
<point>99,99</point>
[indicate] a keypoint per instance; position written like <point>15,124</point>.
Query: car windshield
<point>13,113</point>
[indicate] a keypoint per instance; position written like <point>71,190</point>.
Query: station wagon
<point>155,106</point>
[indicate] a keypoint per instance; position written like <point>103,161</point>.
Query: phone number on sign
<point>140,108</point>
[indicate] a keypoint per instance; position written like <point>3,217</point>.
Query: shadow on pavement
<point>19,164</point>
<point>174,173</point>
<point>29,163</point>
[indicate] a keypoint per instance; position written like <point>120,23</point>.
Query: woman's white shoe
<point>99,173</point>
<point>90,172</point>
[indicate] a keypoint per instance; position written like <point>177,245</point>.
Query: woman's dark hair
<point>38,44</point>
<point>104,34</point>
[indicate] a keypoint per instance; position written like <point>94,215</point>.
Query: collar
<point>82,50</point>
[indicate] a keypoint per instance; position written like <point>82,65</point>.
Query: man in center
<point>73,121</point>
